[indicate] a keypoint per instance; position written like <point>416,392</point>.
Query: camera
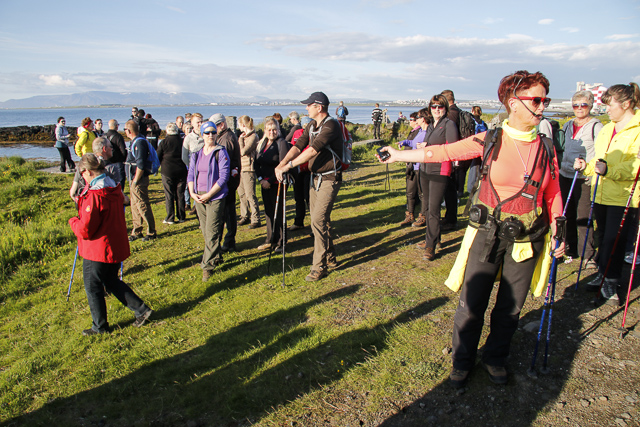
<point>478,214</point>
<point>384,155</point>
<point>511,228</point>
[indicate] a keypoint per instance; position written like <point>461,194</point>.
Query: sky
<point>361,49</point>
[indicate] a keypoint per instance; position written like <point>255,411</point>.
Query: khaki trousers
<point>141,207</point>
<point>248,199</point>
<point>320,206</point>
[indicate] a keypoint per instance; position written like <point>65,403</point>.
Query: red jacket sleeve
<point>88,221</point>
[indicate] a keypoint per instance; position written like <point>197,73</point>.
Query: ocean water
<point>163,115</point>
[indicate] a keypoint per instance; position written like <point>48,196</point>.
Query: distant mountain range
<point>102,98</point>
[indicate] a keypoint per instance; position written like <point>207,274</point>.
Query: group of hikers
<point>521,190</point>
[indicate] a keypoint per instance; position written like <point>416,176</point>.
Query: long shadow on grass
<point>520,401</point>
<point>239,374</point>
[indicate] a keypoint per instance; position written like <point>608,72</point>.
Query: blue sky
<point>387,50</point>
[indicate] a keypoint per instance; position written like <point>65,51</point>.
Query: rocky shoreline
<point>31,134</point>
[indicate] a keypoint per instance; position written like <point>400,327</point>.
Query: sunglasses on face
<point>535,100</point>
<point>209,132</point>
<point>437,107</point>
<point>583,105</point>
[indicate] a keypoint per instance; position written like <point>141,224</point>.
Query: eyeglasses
<point>209,132</point>
<point>437,107</point>
<point>583,105</point>
<point>535,100</point>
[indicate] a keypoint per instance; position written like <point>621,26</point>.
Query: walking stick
<point>615,242</point>
<point>387,182</point>
<point>633,269</point>
<point>275,215</point>
<point>284,225</point>
<point>561,223</point>
<point>72,271</point>
<point>586,237</point>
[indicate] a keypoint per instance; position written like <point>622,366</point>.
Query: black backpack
<point>467,124</point>
<point>558,137</point>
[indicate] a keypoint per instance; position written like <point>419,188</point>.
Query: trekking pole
<point>72,271</point>
<point>586,237</point>
<point>387,182</point>
<point>275,215</point>
<point>122,262</point>
<point>561,228</point>
<point>633,268</point>
<point>615,242</point>
<point>548,300</point>
<point>284,225</point>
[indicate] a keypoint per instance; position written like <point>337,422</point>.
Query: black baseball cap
<point>316,98</point>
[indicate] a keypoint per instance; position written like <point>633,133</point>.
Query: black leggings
<point>65,158</point>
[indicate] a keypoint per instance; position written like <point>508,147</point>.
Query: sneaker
<point>254,225</point>
<point>315,275</point>
<point>164,221</point>
<point>264,246</point>
<point>148,237</point>
<point>135,237</point>
<point>594,285</point>
<point>628,258</point>
<point>142,319</point>
<point>609,291</point>
<point>420,222</point>
<point>458,377</point>
<point>206,274</point>
<point>497,374</point>
<point>89,332</point>
<point>429,254</point>
<point>295,227</point>
<point>408,219</point>
<point>244,221</point>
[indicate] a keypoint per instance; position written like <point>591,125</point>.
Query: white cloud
<point>570,29</point>
<point>176,9</point>
<point>56,80</point>
<point>547,21</point>
<point>492,21</point>
<point>621,36</point>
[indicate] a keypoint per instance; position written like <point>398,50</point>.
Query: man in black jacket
<point>119,149</point>
<point>229,141</point>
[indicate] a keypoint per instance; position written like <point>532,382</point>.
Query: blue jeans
<point>101,276</point>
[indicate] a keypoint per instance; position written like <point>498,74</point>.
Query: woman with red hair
<point>514,207</point>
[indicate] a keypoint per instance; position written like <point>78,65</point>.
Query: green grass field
<point>241,349</point>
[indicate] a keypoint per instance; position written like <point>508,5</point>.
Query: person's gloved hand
<point>601,167</point>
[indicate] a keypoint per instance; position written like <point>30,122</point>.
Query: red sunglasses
<point>535,100</point>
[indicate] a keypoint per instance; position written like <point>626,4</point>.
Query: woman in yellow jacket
<point>85,138</point>
<point>616,165</point>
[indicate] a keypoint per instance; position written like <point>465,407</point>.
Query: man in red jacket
<point>103,244</point>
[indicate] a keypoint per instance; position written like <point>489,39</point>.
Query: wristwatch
<point>290,164</point>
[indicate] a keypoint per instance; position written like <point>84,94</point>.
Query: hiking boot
<point>230,248</point>
<point>408,219</point>
<point>206,275</point>
<point>264,246</point>
<point>295,227</point>
<point>148,237</point>
<point>316,275</point>
<point>594,285</point>
<point>628,258</point>
<point>610,291</point>
<point>420,222</point>
<point>429,254</point>
<point>89,332</point>
<point>458,377</point>
<point>142,319</point>
<point>254,225</point>
<point>497,374</point>
<point>193,210</point>
<point>244,221</point>
<point>448,226</point>
<point>135,237</point>
<point>422,245</point>
<point>591,265</point>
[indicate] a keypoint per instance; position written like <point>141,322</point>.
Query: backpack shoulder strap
<point>548,145</point>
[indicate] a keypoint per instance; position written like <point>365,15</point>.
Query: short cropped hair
<point>132,126</point>
<point>294,115</point>
<point>98,144</point>
<point>172,128</point>
<point>449,95</point>
<point>518,82</point>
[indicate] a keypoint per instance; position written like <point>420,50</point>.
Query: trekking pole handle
<point>561,229</point>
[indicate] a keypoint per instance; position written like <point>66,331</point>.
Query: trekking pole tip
<point>532,373</point>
